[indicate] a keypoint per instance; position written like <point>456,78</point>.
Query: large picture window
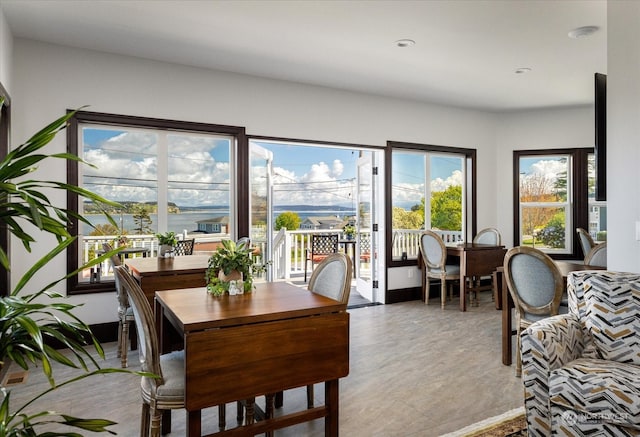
<point>431,188</point>
<point>554,195</point>
<point>167,176</point>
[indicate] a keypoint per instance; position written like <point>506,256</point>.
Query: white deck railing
<point>289,248</point>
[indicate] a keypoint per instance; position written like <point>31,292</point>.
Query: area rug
<point>510,424</point>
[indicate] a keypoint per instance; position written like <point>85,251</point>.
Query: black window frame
<point>580,193</point>
<point>75,287</point>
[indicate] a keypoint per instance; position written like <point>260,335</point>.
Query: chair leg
<point>427,287</point>
<point>518,354</point>
<point>443,292</point>
<point>156,421</point>
<point>250,416</point>
<point>119,351</point>
<point>145,420</point>
<point>305,269</point>
<point>240,412</point>
<point>124,344</point>
<point>310,396</point>
<point>166,422</point>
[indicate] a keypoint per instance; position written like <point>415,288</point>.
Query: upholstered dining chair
<point>331,278</point>
<point>485,236</point>
<point>322,245</point>
<point>167,391</point>
<point>597,256</point>
<point>184,247</point>
<point>434,257</point>
<point>586,242</point>
<point>536,287</point>
<point>125,313</point>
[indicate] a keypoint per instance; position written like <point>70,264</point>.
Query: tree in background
<point>105,229</point>
<point>288,220</point>
<point>403,219</point>
<point>446,209</point>
<point>142,220</point>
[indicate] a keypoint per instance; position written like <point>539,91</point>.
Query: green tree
<point>142,220</point>
<point>105,229</point>
<point>403,219</point>
<point>446,209</point>
<point>288,220</point>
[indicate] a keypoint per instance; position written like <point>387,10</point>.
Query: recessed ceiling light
<point>405,42</point>
<point>582,32</point>
<point>523,70</point>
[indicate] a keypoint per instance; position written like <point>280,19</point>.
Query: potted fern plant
<point>31,320</point>
<point>166,242</point>
<point>230,262</point>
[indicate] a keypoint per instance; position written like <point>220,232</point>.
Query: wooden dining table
<point>239,347</point>
<point>565,268</point>
<point>168,273</point>
<point>475,260</point>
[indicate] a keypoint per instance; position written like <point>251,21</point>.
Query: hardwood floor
<point>415,370</point>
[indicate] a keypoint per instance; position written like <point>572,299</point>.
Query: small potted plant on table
<point>230,265</point>
<point>166,242</point>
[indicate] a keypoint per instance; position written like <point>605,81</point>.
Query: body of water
<point>188,220</point>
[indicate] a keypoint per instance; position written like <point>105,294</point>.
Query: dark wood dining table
<point>239,347</point>
<point>565,268</point>
<point>168,273</point>
<point>475,260</point>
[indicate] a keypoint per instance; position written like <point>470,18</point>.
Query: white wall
<point>623,134</point>
<point>6,52</point>
<point>541,129</point>
<point>50,79</point>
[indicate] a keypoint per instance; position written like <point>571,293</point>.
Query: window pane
<point>597,210</point>
<point>198,188</point>
<point>544,202</point>
<point>443,212</point>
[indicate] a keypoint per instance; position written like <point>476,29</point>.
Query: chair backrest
<point>332,277</point>
<point>123,301</point>
<point>324,244</point>
<point>597,256</point>
<point>184,247</point>
<point>434,252</point>
<point>586,242</point>
<point>534,281</point>
<point>149,347</point>
<point>245,241</point>
<point>488,236</point>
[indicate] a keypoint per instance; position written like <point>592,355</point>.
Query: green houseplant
<point>349,231</point>
<point>31,321</point>
<point>230,261</point>
<point>166,242</point>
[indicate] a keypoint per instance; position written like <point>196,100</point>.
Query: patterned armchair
<point>581,370</point>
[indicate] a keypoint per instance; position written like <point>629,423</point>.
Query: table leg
<point>194,424</point>
<point>506,323</point>
<point>331,396</point>
<point>463,291</point>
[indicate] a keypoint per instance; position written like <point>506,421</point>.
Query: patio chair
<point>322,245</point>
<point>184,247</point>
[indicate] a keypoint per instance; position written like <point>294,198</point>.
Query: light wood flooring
<point>415,370</point>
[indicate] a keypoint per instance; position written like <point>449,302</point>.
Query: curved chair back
<point>149,347</point>
<point>586,242</point>
<point>534,281</point>
<point>115,262</point>
<point>434,252</point>
<point>597,256</point>
<point>488,236</point>
<point>332,278</point>
<point>246,241</point>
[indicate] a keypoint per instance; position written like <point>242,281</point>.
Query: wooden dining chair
<point>125,313</point>
<point>322,245</point>
<point>597,256</point>
<point>434,257</point>
<point>485,236</point>
<point>586,242</point>
<point>331,278</point>
<point>166,392</point>
<point>536,287</point>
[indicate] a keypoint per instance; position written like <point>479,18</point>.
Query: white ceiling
<point>465,54</point>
